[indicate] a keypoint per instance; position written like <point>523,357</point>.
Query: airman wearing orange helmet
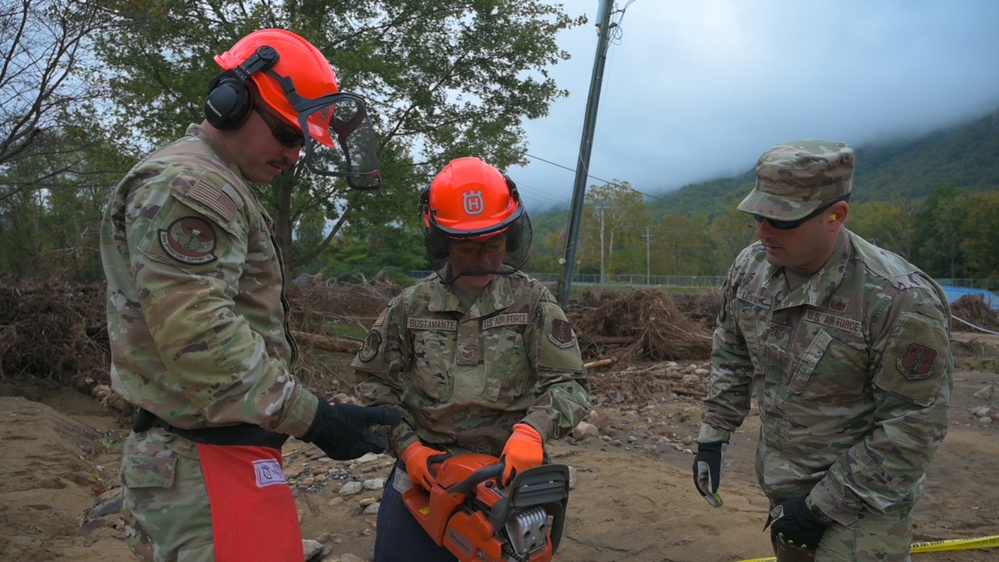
<point>477,358</point>
<point>196,315</point>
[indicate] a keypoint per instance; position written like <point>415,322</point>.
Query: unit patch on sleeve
<point>917,361</point>
<point>189,240</point>
<point>562,334</point>
<point>369,349</point>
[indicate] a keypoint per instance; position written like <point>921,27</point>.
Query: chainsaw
<point>469,512</point>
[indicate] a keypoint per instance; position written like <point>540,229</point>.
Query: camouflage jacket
<point>196,310</point>
<point>463,378</point>
<point>852,371</point>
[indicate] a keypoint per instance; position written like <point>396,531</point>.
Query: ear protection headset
<point>229,100</point>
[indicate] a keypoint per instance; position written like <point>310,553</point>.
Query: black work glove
<point>793,523</point>
<point>348,431</point>
<point>707,470</point>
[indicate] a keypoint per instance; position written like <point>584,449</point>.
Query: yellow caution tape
<point>956,544</point>
<point>933,546</point>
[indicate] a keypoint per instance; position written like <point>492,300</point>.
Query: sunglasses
<point>466,249</point>
<point>283,133</point>
<point>788,225</point>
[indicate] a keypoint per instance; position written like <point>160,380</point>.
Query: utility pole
<point>585,147</point>
<point>603,277</point>
<point>648,263</point>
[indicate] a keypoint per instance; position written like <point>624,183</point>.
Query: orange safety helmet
<point>298,60</point>
<point>296,82</point>
<point>470,199</point>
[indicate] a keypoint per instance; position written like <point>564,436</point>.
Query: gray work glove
<point>707,470</point>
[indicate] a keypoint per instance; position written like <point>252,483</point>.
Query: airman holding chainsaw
<point>845,346</point>
<point>479,357</point>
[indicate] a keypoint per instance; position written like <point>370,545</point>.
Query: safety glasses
<point>467,249</point>
<point>283,133</point>
<point>788,225</point>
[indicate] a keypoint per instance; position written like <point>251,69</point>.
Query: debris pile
<point>645,324</point>
<point>971,311</point>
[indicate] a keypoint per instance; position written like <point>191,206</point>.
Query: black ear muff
<point>229,101</point>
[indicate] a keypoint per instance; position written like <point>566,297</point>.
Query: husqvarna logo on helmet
<point>474,203</point>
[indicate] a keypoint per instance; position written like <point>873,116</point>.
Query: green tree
<point>612,230</point>
<point>981,245</point>
<point>682,246</point>
<point>47,168</point>
<point>891,226</point>
<point>443,79</point>
<point>940,230</point>
<point>730,232</point>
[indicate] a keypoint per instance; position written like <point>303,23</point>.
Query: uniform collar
<point>498,295</point>
<point>199,132</point>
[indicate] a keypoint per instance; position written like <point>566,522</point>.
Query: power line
<point>609,182</point>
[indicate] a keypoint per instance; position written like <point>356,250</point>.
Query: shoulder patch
<point>369,349</point>
<point>562,334</point>
<point>189,240</point>
<point>917,361</point>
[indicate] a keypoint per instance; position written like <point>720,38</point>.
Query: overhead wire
<point>616,32</point>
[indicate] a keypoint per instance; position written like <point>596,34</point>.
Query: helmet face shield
<point>340,140</point>
<point>516,245</point>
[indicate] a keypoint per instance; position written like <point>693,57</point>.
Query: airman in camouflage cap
<point>795,178</point>
<point>844,347</point>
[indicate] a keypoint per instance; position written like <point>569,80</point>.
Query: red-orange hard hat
<point>470,198</point>
<point>299,61</point>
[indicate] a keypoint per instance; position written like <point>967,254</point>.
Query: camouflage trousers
<point>872,538</point>
<point>168,516</point>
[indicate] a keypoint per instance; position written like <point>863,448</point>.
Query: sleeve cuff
<point>299,419</point>
<point>709,434</point>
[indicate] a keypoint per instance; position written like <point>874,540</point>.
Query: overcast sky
<point>697,90</point>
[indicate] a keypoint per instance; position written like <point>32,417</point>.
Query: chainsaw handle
<point>480,475</point>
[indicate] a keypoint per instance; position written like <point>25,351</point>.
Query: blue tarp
<point>954,293</point>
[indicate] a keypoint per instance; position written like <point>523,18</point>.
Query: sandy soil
<point>634,499</point>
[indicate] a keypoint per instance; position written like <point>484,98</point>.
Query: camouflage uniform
<point>198,328</point>
<point>463,378</point>
<point>853,374</point>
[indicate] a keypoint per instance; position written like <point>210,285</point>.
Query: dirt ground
<point>633,499</point>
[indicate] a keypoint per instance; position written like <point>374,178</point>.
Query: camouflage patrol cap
<point>795,178</point>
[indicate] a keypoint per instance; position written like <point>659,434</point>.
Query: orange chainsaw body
<point>473,516</point>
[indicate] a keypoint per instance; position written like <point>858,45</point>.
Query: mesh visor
<point>518,245</point>
<point>343,118</point>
